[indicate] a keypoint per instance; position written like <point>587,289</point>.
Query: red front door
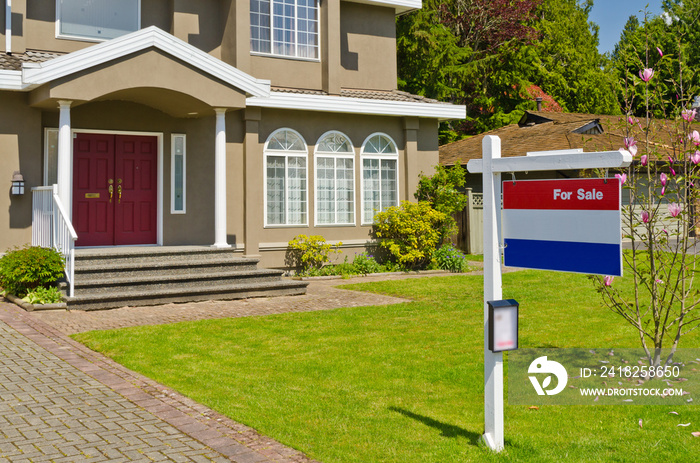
<point>115,189</point>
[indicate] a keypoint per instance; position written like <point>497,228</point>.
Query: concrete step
<point>132,268</point>
<point>182,281</point>
<point>227,291</point>
<point>146,255</point>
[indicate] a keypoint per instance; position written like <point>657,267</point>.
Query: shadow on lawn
<point>448,430</point>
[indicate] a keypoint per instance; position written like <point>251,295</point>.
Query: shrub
<point>410,232</point>
<point>443,191</point>
<point>22,270</point>
<point>309,252</point>
<point>40,295</point>
<point>365,264</point>
<point>451,259</point>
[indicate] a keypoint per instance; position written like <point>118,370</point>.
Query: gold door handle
<point>111,192</point>
<point>119,193</point>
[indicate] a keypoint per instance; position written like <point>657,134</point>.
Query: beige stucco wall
<point>39,25</point>
<point>368,47</point>
<point>358,41</point>
<point>20,149</point>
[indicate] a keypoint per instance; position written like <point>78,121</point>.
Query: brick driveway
<point>60,401</point>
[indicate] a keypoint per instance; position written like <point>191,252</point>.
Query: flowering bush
<point>451,259</point>
<point>659,219</point>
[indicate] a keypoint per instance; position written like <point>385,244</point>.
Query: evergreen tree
<point>486,54</point>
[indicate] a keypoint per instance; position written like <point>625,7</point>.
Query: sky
<point>611,16</point>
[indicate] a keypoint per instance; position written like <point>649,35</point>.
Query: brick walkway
<point>60,401</point>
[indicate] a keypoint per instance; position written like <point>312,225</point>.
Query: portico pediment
<point>147,59</point>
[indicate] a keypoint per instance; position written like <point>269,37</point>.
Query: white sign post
<point>491,166</point>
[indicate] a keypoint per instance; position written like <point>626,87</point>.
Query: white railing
<point>52,229</point>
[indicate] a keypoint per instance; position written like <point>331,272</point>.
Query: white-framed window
<point>50,156</point>
<point>178,174</point>
<point>380,175</point>
<point>335,180</point>
<point>97,20</point>
<point>288,28</point>
<point>286,192</point>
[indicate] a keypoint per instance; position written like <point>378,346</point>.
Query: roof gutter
<point>8,27</point>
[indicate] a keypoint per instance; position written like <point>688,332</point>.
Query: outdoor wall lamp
<point>17,183</point>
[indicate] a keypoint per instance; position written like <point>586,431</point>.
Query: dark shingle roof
<point>385,95</point>
<point>14,61</point>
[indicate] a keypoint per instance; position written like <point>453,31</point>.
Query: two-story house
<point>211,122</point>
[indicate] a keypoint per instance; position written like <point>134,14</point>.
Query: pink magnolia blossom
<point>659,282</point>
<point>646,74</point>
<point>661,54</point>
<point>689,115</point>
<point>694,137</point>
<point>608,280</point>
<point>644,159</point>
<point>695,158</point>
<point>664,181</point>
<point>674,209</point>
<point>622,177</point>
<point>645,216</point>
<point>631,145</point>
<point>634,121</point>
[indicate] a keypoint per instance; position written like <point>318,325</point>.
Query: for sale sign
<point>569,225</point>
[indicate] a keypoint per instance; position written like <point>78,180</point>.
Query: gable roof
<point>36,73</point>
<point>540,131</point>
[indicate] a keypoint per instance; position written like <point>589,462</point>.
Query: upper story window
<point>284,28</point>
<point>97,19</point>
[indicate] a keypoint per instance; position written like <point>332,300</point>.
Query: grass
<point>404,383</point>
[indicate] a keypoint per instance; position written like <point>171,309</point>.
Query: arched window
<point>380,184</point>
<point>335,180</point>
<point>286,196</point>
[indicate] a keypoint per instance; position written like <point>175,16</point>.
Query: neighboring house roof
<point>548,131</point>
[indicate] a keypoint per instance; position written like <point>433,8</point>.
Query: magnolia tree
<point>660,217</point>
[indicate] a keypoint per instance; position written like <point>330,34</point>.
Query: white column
<point>64,156</point>
<point>493,362</point>
<point>220,180</point>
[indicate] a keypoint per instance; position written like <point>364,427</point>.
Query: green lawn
<point>404,383</point>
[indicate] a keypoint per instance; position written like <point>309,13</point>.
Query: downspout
<point>8,27</point>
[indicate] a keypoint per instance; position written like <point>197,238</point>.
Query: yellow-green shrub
<point>410,233</point>
<point>309,252</point>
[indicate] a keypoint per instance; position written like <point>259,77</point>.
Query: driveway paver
<point>62,402</point>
